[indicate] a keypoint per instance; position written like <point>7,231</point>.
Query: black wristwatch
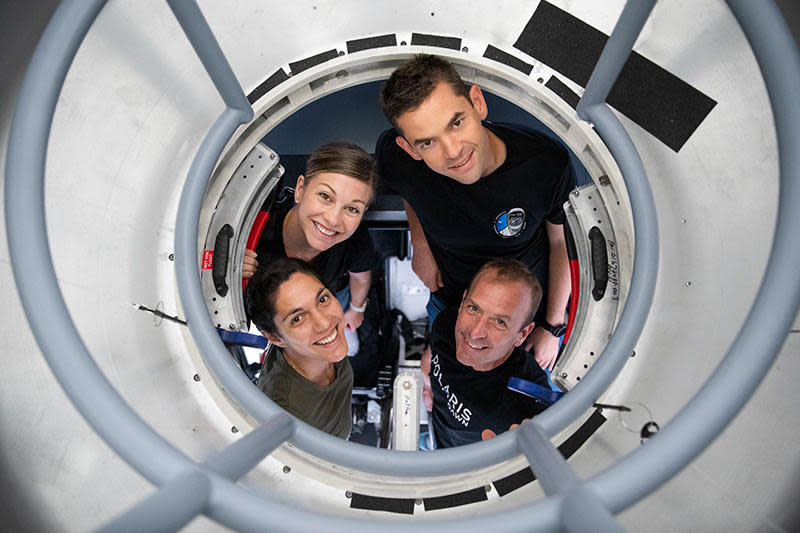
<point>556,331</point>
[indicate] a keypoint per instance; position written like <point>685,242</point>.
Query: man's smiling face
<point>445,132</point>
<point>491,321</point>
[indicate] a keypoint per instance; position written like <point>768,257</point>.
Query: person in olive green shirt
<point>305,370</point>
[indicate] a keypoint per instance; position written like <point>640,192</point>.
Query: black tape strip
<point>507,59</point>
<point>376,503</point>
<point>454,500</point>
<point>660,102</point>
<point>576,440</point>
<point>568,448</point>
<point>561,89</point>
<point>371,42</point>
<point>513,482</point>
<point>422,39</point>
<point>273,81</point>
<point>304,64</point>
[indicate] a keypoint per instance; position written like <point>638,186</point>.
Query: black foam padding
<point>660,102</point>
<point>219,267</point>
<point>561,89</point>
<point>454,500</point>
<point>507,59</point>
<point>273,81</point>
<point>371,42</point>
<point>304,64</point>
<point>568,448</point>
<point>597,247</point>
<point>423,39</point>
<point>377,503</point>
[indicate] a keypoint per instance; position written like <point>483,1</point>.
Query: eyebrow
<point>298,309</point>
<point>334,192</point>
<point>507,318</point>
<point>329,187</point>
<point>457,116</point>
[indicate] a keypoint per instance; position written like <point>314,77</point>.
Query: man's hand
<point>487,434</point>
<point>353,319</point>
<point>544,346</point>
<point>249,264</point>
<point>424,266</point>
<point>425,367</point>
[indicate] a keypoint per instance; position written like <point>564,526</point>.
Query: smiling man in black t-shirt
<point>475,348</point>
<point>474,191</point>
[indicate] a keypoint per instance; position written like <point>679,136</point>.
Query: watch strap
<point>556,331</point>
<point>360,309</point>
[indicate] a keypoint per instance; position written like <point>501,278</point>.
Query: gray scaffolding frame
<point>188,488</point>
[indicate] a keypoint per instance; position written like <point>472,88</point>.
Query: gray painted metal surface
<point>27,238</point>
<point>152,456</point>
<point>771,316</point>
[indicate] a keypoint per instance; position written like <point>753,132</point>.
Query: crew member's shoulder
<point>344,371</point>
<point>443,329</point>
<point>275,376</point>
<point>386,142</point>
<point>446,320</point>
<point>526,367</point>
<point>529,141</point>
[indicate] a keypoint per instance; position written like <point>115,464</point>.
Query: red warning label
<point>208,259</point>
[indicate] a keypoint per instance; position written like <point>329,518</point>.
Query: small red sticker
<point>208,259</point>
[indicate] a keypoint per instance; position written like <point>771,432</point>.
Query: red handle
<point>255,236</point>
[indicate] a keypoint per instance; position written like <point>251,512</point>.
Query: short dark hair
<point>413,81</point>
<point>262,291</point>
<point>343,158</point>
<point>512,270</point>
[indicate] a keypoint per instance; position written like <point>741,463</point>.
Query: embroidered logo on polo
<point>510,223</point>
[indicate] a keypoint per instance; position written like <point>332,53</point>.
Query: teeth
<point>474,347</point>
<point>329,339</point>
<point>464,162</point>
<point>324,230</point>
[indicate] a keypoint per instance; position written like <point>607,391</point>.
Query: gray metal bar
<point>190,204</point>
<point>615,53</point>
<point>167,510</point>
<point>29,252</point>
<point>243,455</point>
<point>198,32</point>
<point>772,314</point>
<point>187,272</point>
<point>645,258</point>
<point>581,509</point>
<point>71,362</point>
<point>547,463</point>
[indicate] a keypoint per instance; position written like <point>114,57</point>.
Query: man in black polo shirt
<point>475,348</point>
